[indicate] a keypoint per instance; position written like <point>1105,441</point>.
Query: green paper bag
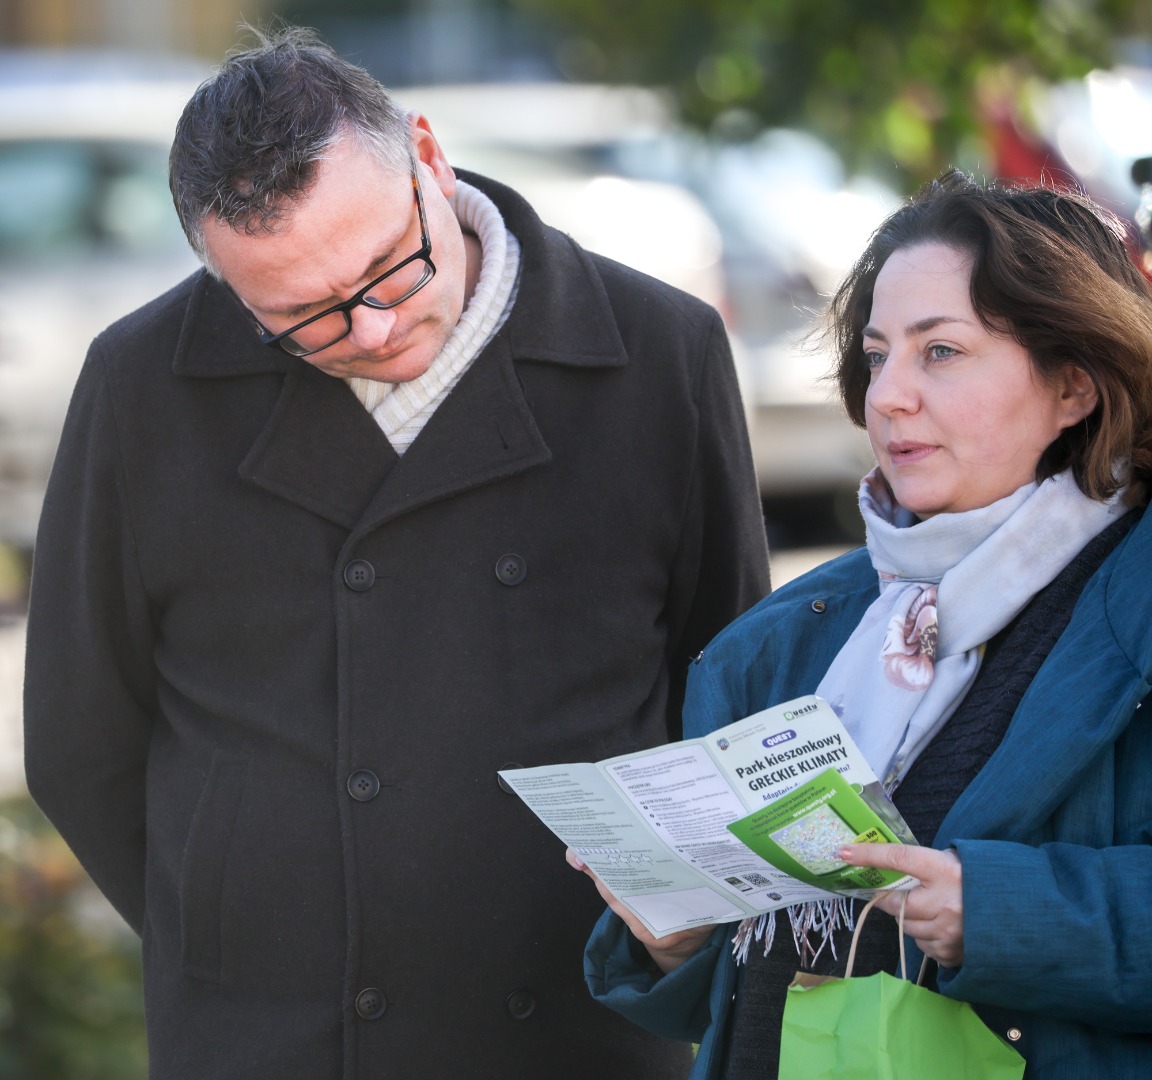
<point>881,1027</point>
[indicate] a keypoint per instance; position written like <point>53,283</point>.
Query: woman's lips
<point>908,453</point>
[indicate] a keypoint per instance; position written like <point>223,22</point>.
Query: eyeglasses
<point>392,287</point>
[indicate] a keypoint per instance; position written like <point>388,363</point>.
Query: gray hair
<point>249,141</point>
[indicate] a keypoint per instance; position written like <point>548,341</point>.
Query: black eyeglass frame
<point>345,307</point>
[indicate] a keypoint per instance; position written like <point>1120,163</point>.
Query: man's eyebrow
<point>371,271</point>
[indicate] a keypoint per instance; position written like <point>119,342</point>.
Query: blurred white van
<point>87,233</point>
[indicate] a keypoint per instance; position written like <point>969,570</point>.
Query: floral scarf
<point>947,585</point>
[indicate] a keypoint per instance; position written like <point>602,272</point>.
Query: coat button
<point>520,1004</point>
<point>511,569</point>
<point>371,1004</point>
<point>504,785</point>
<point>363,785</point>
<point>1015,1034</point>
<point>359,575</point>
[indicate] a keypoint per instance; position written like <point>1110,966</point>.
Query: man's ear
<point>428,152</point>
<point>1078,395</point>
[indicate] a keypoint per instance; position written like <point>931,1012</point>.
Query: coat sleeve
<point>675,1006</point>
<point>1056,918</point>
<point>722,564</point>
<point>1061,927</point>
<point>89,692</point>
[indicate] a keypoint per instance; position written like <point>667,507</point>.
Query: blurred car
<point>792,223</point>
<point>87,230</point>
<point>87,233</point>
<point>554,143</point>
<point>802,223</point>
<point>1099,126</point>
<point>761,230</point>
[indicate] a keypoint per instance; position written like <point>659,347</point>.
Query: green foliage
<point>70,998</point>
<point>14,568</point>
<point>898,85</point>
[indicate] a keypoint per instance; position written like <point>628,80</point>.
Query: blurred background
<point>741,149</point>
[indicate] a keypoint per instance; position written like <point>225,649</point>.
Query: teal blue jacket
<point>1054,833</point>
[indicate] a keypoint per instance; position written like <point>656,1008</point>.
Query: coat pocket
<point>204,869</point>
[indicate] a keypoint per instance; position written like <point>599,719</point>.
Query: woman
<point>989,650</point>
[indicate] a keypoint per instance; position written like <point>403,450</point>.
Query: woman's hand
<point>934,915</point>
<point>668,952</point>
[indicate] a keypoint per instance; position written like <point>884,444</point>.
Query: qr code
<point>869,877</point>
<point>759,880</point>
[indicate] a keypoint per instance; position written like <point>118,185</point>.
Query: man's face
<point>358,220</point>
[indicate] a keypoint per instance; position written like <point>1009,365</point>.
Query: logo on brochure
<point>722,743</point>
<point>778,738</point>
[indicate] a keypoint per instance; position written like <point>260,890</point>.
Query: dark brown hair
<point>250,139</point>
<point>1051,268</point>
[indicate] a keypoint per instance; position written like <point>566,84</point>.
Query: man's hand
<point>668,952</point>
<point>934,915</point>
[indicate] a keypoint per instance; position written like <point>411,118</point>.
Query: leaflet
<point>744,820</point>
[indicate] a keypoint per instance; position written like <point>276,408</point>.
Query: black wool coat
<point>273,668</point>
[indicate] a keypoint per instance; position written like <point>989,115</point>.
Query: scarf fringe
<point>815,918</point>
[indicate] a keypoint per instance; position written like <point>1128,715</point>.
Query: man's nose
<point>371,327</point>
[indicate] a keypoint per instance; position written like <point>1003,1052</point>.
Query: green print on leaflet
<point>800,833</point>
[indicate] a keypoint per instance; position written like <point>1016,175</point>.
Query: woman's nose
<point>893,387</point>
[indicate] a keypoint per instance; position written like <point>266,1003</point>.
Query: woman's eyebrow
<point>920,326</point>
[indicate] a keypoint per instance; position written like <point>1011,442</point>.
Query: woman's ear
<point>1078,395</point>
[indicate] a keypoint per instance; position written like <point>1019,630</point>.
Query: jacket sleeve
<point>89,692</point>
<point>1061,927</point>
<point>722,564</point>
<point>676,1005</point>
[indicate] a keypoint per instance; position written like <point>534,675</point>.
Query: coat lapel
<point>320,448</point>
<point>483,432</point>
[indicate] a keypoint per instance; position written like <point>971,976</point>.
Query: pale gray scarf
<point>402,409</point>
<point>948,585</point>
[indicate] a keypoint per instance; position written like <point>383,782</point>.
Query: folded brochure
<point>744,820</point>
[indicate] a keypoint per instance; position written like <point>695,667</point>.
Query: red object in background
<point>1018,154</point>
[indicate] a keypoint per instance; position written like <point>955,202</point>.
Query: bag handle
<point>900,925</point>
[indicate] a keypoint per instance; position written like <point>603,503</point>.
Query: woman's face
<point>957,416</point>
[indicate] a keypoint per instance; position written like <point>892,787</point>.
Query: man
<point>405,489</point>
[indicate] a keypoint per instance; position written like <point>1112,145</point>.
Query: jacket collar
<point>216,338</point>
<point>562,314</point>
